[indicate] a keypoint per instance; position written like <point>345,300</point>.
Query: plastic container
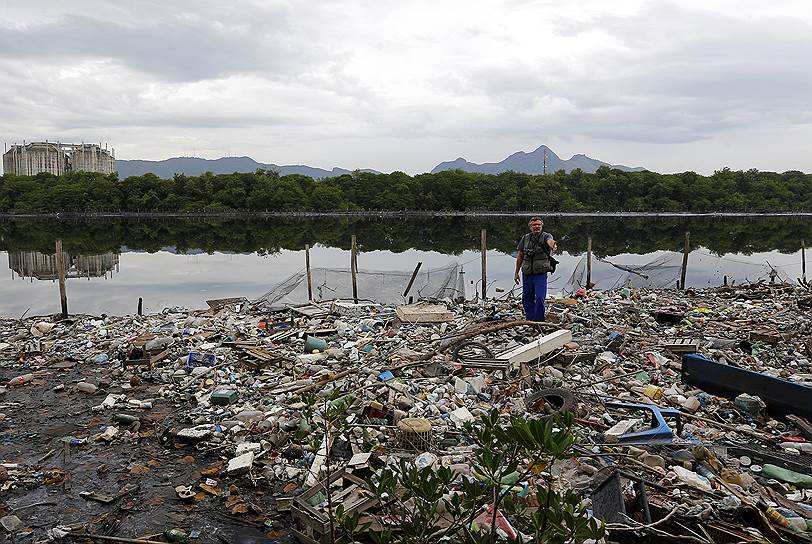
<point>653,392</point>
<point>85,387</point>
<point>313,343</point>
<point>20,380</point>
<point>785,475</point>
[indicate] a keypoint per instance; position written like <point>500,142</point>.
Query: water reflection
<point>185,262</point>
<point>35,265</point>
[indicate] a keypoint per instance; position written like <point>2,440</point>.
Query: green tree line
<point>605,190</point>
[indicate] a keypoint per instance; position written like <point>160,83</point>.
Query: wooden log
<point>309,276</point>
<point>424,313</point>
<point>685,251</point>
<point>411,281</point>
<point>354,269</point>
<point>484,241</point>
<point>60,270</point>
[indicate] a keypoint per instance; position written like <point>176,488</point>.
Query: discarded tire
<point>550,401</point>
<point>467,350</point>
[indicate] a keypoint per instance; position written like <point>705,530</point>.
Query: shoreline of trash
<point>691,413</point>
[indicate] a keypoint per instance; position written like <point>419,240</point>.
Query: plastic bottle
<point>773,515</point>
<point>20,380</point>
<point>705,472</point>
<point>176,535</point>
<point>805,447</point>
<point>785,475</point>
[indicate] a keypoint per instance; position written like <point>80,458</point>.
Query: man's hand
<point>516,278</point>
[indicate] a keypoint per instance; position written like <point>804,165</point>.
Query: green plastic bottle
<point>176,535</point>
<point>791,477</point>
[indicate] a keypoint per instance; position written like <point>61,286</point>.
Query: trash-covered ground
<point>692,412</point>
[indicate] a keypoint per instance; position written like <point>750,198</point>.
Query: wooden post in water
<point>309,277</point>
<point>411,281</point>
<point>60,271</point>
<point>589,262</point>
<point>484,240</point>
<point>354,269</point>
<point>803,260</point>
<point>685,252</point>
<point>140,306</point>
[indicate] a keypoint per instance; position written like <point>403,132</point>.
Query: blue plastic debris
<point>659,431</point>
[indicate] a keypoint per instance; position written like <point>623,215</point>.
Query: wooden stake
<point>484,239</point>
<point>589,262</point>
<point>60,270</point>
<point>803,260</point>
<point>309,277</point>
<point>685,252</point>
<point>411,281</point>
<point>140,306</point>
<point>354,269</point>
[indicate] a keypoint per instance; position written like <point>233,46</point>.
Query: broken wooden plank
<point>764,336</point>
<point>424,313</point>
<point>567,358</point>
<point>537,348</point>
<point>310,310</point>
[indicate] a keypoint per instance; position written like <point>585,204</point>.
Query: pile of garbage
<point>692,412</point>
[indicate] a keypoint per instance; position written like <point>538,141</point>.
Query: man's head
<point>535,225</point>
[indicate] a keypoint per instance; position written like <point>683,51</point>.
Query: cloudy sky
<point>669,85</point>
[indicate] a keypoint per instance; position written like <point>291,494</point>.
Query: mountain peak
<point>531,163</point>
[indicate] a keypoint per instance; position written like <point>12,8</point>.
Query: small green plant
<point>509,496</point>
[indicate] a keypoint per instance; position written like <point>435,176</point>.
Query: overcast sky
<point>671,86</point>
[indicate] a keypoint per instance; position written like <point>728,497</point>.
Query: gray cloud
<point>671,75</point>
<point>179,47</point>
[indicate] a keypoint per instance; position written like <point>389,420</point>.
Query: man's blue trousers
<point>534,291</point>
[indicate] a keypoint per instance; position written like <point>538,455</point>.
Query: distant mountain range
<point>529,163</point>
<point>532,163</point>
<point>193,166</point>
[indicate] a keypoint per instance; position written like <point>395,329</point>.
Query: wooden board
<point>537,348</point>
<point>311,310</point>
<point>424,313</point>
<point>682,345</point>
<point>765,336</point>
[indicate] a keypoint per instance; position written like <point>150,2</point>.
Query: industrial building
<point>57,158</point>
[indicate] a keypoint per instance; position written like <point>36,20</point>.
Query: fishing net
<point>385,287</point>
<point>662,271</point>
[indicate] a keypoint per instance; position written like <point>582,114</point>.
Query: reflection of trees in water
<point>450,235</point>
<point>42,266</point>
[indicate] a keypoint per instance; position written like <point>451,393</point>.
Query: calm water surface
<point>186,262</point>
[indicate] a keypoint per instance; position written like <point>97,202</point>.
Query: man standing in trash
<point>534,261</point>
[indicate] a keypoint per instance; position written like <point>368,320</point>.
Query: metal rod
<point>484,237</point>
<point>803,260</point>
<point>60,270</point>
<point>411,281</point>
<point>309,276</point>
<point>685,252</point>
<point>354,268</point>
